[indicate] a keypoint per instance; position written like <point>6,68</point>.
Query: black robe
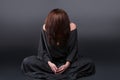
<point>36,67</point>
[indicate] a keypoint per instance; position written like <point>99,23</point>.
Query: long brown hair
<point>57,25</point>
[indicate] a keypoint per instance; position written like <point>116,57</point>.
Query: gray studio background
<point>98,24</point>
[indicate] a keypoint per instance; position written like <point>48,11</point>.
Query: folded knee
<point>91,64</point>
<point>29,60</point>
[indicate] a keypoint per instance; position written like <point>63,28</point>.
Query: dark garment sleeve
<point>73,46</point>
<point>43,51</point>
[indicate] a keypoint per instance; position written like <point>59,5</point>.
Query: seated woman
<point>58,57</point>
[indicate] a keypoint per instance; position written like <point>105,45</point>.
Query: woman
<point>57,57</point>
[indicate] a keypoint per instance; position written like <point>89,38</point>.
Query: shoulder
<point>43,27</point>
<point>72,26</point>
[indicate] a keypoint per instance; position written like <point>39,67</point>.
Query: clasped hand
<point>57,70</point>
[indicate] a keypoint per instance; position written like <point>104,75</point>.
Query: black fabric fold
<point>36,67</point>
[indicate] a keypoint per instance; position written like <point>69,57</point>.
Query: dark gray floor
<point>106,59</point>
<point>103,72</point>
